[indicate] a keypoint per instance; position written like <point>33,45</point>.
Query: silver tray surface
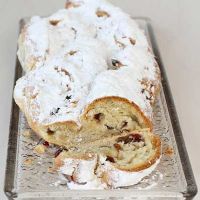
<point>172,179</point>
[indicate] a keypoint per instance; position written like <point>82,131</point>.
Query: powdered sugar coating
<point>119,178</point>
<point>86,172</point>
<point>58,90</point>
<point>104,56</point>
<point>33,44</point>
<point>82,170</point>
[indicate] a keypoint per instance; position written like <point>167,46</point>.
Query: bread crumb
<point>26,133</point>
<point>40,149</point>
<point>28,161</point>
<point>168,151</point>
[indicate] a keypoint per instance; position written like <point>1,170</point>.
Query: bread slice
<point>115,162</point>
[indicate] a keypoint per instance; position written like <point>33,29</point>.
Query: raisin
<point>68,97</point>
<point>124,124</point>
<point>65,72</point>
<point>143,90</point>
<point>57,110</point>
<point>117,146</point>
<point>71,53</point>
<point>148,98</point>
<point>136,137</point>
<point>75,32</point>
<point>130,138</point>
<point>109,127</point>
<point>116,63</point>
<point>98,117</point>
<point>50,132</point>
<point>111,159</point>
<point>52,113</point>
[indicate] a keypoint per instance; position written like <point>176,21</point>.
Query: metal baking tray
<point>172,179</point>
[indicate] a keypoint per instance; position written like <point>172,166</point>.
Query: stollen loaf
<point>90,74</point>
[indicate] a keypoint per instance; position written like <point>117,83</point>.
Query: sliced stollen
<point>89,70</point>
<point>113,162</point>
<point>59,105</point>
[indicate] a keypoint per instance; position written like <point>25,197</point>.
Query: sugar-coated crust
<point>116,62</point>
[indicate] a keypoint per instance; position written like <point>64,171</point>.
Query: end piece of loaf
<point>114,162</point>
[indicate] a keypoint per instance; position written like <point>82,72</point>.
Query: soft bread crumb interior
<point>104,119</point>
<point>126,152</point>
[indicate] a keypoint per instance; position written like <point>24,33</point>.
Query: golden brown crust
<point>146,120</point>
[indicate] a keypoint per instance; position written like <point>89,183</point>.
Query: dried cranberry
<point>45,143</point>
<point>135,137</point>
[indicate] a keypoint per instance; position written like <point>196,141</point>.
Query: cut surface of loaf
<point>89,69</point>
<point>114,162</point>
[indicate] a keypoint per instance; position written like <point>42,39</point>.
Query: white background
<point>177,28</point>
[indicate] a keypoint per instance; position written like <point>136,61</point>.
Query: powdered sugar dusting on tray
<point>79,54</point>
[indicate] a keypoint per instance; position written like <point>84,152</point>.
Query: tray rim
<point>185,161</point>
<point>186,165</point>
